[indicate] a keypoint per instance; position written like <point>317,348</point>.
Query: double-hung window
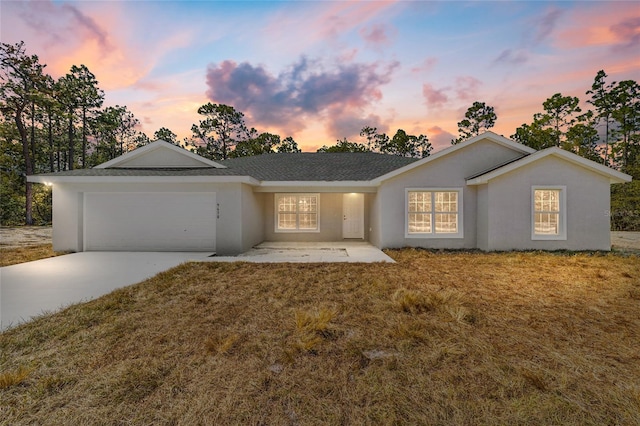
<point>548,215</point>
<point>434,213</point>
<point>297,212</point>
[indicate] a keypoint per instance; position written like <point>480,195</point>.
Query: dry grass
<point>12,378</point>
<point>13,256</point>
<point>438,338</point>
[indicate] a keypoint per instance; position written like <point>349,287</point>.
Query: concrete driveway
<point>33,288</point>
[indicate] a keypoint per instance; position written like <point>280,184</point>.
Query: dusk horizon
<point>321,71</point>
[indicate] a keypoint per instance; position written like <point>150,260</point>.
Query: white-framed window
<point>433,213</point>
<point>548,213</point>
<point>297,212</point>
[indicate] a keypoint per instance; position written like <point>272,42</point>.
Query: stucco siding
<point>252,217</point>
<point>67,219</point>
<point>587,206</point>
<point>374,219</point>
<point>482,213</point>
<point>449,171</point>
<point>162,157</point>
<point>330,220</point>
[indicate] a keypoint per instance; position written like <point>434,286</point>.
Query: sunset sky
<point>321,70</point>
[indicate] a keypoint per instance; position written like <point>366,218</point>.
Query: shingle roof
<point>360,166</point>
<point>328,166</point>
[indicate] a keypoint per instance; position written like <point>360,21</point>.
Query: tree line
<point>52,125</point>
<point>49,125</point>
<point>608,133</point>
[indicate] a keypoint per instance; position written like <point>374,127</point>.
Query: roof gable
<point>159,154</point>
<point>613,175</point>
<point>486,136</point>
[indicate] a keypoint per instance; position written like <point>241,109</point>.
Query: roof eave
<point>501,140</point>
<point>50,179</point>
<point>323,186</point>
<point>614,176</point>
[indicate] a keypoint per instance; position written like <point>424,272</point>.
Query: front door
<point>353,215</point>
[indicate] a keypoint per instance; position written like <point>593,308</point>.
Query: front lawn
<point>438,338</point>
<point>13,256</point>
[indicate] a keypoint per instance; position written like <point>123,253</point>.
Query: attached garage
<point>149,221</point>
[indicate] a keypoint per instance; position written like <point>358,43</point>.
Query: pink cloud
<point>434,97</point>
<point>439,138</point>
<point>467,87</point>
<point>324,22</point>
<point>512,56</point>
<point>377,35</point>
<point>348,55</point>
<point>305,90</point>
<point>541,27</point>
<point>348,123</point>
<point>99,35</point>
<point>427,65</point>
<point>54,23</point>
<point>56,31</point>
<point>627,32</point>
<point>344,16</point>
<point>150,85</point>
<point>601,25</point>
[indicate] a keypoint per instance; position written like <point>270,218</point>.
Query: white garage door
<point>150,221</point>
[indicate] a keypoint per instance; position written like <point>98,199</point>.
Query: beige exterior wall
<point>162,157</point>
<point>482,222</point>
<point>587,206</point>
<point>495,216</point>
<point>67,218</point>
<point>373,214</point>
<point>330,219</point>
<point>449,171</point>
<point>252,217</point>
<point>68,214</point>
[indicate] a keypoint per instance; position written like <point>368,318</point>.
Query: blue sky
<point>321,70</point>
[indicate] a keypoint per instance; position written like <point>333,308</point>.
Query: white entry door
<point>353,215</point>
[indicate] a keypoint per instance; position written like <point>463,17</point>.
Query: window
<point>297,212</point>
<point>434,213</point>
<point>548,215</point>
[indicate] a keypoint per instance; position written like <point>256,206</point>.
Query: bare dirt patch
<point>25,236</point>
<point>625,240</point>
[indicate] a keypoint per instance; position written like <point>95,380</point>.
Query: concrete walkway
<point>33,288</point>
<point>331,252</point>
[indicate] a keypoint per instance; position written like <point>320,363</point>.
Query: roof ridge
<point>496,167</point>
<point>170,168</point>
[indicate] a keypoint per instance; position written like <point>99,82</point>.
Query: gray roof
<point>357,166</point>
<point>327,166</point>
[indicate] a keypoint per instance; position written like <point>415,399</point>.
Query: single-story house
<point>488,193</point>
